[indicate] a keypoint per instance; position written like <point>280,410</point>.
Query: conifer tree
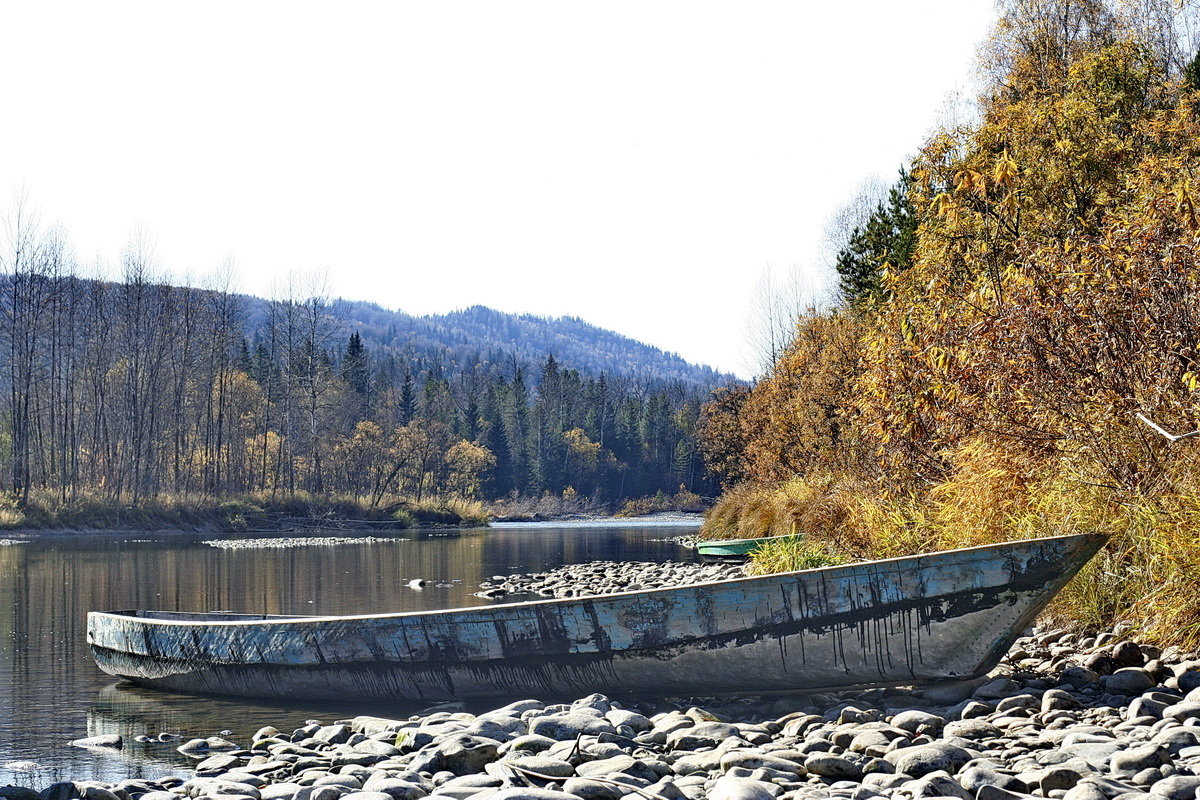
<point>499,481</point>
<point>887,239</point>
<point>516,431</point>
<point>356,371</point>
<point>1191,74</point>
<point>408,399</point>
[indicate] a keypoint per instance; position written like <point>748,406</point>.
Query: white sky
<point>636,164</point>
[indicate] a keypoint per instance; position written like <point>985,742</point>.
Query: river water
<point>51,691</point>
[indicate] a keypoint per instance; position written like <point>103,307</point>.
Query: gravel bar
<point>1094,717</point>
<point>294,541</point>
<point>604,577</point>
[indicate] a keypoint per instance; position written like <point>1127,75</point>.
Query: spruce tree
<point>1191,74</point>
<point>516,432</point>
<point>356,370</point>
<point>500,481</point>
<point>245,362</point>
<point>888,237</point>
<point>549,448</point>
<point>408,399</point>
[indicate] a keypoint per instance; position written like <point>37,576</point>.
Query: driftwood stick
<point>609,781</point>
<point>1172,437</point>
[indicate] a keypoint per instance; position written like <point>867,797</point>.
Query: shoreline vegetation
<point>246,514</point>
<point>44,512</point>
<point>1015,328</point>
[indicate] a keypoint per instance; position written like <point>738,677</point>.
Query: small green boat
<point>739,548</point>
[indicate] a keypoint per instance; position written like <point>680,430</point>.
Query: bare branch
<point>1170,436</point>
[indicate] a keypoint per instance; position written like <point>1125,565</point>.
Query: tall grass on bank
<point>545,506</point>
<point>787,554</point>
<point>804,505</point>
<point>1148,574</point>
<point>571,503</point>
<point>46,510</point>
<point>681,501</point>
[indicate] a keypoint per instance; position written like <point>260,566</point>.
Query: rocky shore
<point>287,542</point>
<point>605,577</point>
<point>1064,716</point>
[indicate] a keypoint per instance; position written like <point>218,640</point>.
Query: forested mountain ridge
<point>135,390</point>
<point>479,334</point>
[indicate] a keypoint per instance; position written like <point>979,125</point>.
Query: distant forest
<point>132,390</point>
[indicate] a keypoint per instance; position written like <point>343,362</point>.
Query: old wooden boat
<point>738,548</point>
<point>932,617</point>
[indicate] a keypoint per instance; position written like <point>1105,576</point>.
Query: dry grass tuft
<point>802,505</point>
<point>681,501</point>
<point>787,555</point>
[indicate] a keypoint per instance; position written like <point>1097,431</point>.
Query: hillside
<point>137,390</point>
<point>480,335</point>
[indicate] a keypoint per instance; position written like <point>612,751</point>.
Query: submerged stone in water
<point>110,740</point>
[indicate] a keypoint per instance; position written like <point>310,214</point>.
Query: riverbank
<point>1093,717</point>
<point>569,507</point>
<point>664,518</point>
<point>295,514</point>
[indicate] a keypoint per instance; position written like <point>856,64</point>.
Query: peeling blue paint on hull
<point>910,620</point>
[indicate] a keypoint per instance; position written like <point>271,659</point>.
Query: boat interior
<point>202,616</point>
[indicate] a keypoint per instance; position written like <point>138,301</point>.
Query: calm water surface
<point>51,691</point>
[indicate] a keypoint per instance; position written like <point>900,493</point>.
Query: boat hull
<point>940,616</point>
<point>721,549</point>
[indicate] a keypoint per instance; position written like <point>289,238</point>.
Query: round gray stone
<point>1085,790</point>
<point>973,729</point>
<point>923,759</point>
<point>1183,710</point>
<point>834,767</point>
<point>727,788</point>
<point>395,788</point>
<point>275,791</point>
<point>1137,759</point>
<point>935,784</point>
<point>589,789</point>
<point>915,721</point>
<point>1177,787</point>
<point>570,725</point>
<point>529,793</point>
<point>1128,681</point>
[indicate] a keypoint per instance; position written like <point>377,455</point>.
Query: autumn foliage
<point>992,390</point>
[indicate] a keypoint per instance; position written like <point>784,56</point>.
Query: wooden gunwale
<point>166,620</point>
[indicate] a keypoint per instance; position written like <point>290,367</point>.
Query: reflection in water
<point>132,711</point>
<point>51,692</point>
